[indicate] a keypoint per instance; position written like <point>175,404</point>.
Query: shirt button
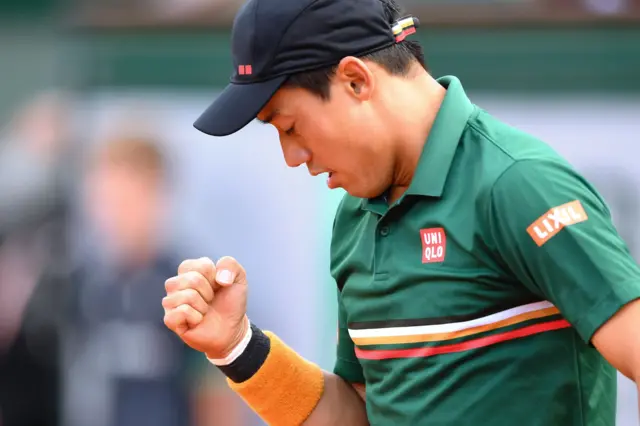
<point>384,231</point>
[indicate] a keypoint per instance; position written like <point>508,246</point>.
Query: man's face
<point>344,136</point>
<point>123,204</point>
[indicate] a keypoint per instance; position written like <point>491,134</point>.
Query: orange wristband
<point>286,388</point>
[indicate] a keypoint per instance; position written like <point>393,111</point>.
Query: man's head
<point>336,108</point>
<point>124,193</point>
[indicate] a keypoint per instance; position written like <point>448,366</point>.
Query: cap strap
<point>405,27</point>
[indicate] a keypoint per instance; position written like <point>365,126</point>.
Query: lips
<point>319,172</point>
<point>331,183</point>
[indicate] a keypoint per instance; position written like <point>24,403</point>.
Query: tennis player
<point>480,278</point>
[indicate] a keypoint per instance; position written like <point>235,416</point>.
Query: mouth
<point>317,173</point>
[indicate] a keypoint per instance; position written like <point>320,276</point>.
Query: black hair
<point>396,59</point>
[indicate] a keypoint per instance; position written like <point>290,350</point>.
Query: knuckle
<point>205,264</point>
<point>202,265</point>
<point>166,303</point>
<point>183,309</point>
<point>227,260</point>
<point>170,320</point>
<point>184,265</point>
<point>192,297</point>
<point>195,279</point>
<point>207,268</point>
<point>171,284</point>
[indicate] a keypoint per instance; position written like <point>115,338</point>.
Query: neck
<point>132,256</point>
<point>413,127</point>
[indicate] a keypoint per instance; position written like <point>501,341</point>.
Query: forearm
<point>340,405</point>
<point>285,389</point>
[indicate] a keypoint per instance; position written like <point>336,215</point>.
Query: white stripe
<point>448,328</point>
<point>402,25</point>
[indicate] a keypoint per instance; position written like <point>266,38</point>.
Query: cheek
<point>328,129</point>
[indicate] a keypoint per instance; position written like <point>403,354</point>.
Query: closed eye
<point>291,131</point>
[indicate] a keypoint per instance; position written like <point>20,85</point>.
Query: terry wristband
<point>277,383</point>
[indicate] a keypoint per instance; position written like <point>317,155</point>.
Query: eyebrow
<point>270,117</point>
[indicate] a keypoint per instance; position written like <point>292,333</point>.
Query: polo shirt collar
<point>437,156</point>
<point>438,152</point>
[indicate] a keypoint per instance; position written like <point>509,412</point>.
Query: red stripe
<point>464,346</point>
<point>404,34</point>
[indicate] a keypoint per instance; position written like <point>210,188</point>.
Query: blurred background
<point>105,186</point>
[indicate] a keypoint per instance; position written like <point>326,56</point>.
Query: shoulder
<point>511,156</point>
<point>506,145</point>
<point>543,180</point>
<point>519,169</point>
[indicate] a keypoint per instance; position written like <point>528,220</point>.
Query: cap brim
<point>237,106</point>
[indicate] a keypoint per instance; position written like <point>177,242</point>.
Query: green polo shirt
<point>472,299</point>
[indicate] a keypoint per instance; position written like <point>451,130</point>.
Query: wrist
<point>247,357</point>
<point>228,355</point>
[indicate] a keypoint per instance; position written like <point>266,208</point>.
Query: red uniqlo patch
<point>244,69</point>
<point>434,245</point>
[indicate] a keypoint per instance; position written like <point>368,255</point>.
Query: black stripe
<point>250,361</point>
<point>363,325</point>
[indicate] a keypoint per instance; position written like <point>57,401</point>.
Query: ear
<point>355,77</point>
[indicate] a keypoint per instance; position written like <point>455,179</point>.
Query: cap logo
<point>404,28</point>
<point>244,69</point>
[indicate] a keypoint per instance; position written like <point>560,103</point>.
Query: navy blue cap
<point>272,39</point>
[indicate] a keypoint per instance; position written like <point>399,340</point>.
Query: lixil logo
<point>552,222</point>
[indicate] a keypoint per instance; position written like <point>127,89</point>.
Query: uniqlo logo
<point>434,245</point>
<point>245,69</point>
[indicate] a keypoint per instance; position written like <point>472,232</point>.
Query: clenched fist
<point>206,305</point>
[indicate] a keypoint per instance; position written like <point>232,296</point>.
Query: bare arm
<point>341,404</point>
<point>619,342</point>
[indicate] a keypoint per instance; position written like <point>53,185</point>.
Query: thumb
<point>229,271</point>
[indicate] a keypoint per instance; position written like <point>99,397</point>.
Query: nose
<point>294,153</point>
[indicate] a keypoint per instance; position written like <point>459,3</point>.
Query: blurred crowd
<point>83,259</point>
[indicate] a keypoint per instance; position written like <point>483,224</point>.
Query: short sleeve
<point>554,232</point>
<point>347,365</point>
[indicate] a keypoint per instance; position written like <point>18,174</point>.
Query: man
<point>480,279</point>
<point>123,367</point>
